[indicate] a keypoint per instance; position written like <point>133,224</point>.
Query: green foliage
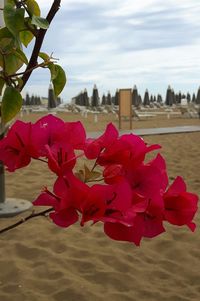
<point>11,57</point>
<point>22,23</point>
<point>33,7</point>
<point>11,104</point>
<point>20,54</point>
<point>44,56</point>
<point>58,78</point>
<point>14,19</point>
<point>26,37</point>
<point>40,22</point>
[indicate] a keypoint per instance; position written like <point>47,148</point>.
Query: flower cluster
<point>133,197</point>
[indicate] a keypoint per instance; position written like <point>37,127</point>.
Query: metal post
<point>2,175</point>
<point>8,206</point>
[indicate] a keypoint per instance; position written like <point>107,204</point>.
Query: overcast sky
<point>117,44</point>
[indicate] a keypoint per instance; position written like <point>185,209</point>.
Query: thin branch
<point>38,43</point>
<point>41,160</point>
<point>23,220</point>
<point>29,70</point>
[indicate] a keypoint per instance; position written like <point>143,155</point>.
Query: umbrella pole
<point>2,175</point>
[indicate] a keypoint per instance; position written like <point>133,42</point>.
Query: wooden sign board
<point>125,105</point>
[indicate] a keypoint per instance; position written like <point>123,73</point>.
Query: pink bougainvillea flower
<point>180,205</point>
<point>44,132</point>
<point>95,146</point>
<point>74,134</point>
<point>16,149</point>
<point>68,194</point>
<point>106,203</point>
<point>61,158</point>
<point>129,150</point>
<point>150,181</point>
<point>50,130</point>
<point>143,226</point>
<point>113,174</point>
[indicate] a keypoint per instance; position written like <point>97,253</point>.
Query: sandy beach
<point>41,262</point>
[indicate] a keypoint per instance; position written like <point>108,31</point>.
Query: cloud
<point>118,43</point>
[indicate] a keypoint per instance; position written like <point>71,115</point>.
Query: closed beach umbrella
<point>33,100</point>
<point>135,96</point>
<point>109,100</point>
<point>193,98</point>
<point>188,97</point>
<point>198,97</point>
<point>116,98</point>
<point>95,97</point>
<point>146,101</point>
<point>173,97</point>
<point>169,97</point>
<point>86,98</point>
<point>103,102</point>
<point>51,98</point>
<point>27,100</point>
<point>159,98</point>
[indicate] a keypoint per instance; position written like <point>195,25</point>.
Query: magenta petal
<point>120,232</point>
<point>65,217</point>
<point>94,147</point>
<point>191,226</point>
<point>75,134</point>
<point>153,227</point>
<point>176,187</point>
<point>45,199</point>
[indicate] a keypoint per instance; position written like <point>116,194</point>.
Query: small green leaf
<point>26,37</point>
<point>40,22</point>
<point>14,18</point>
<point>59,81</point>
<point>44,56</point>
<point>33,7</point>
<point>90,175</point>
<point>2,83</point>
<point>53,70</point>
<point>20,54</point>
<point>11,104</point>
<point>5,33</point>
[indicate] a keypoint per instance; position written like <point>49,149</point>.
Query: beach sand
<point>41,262</point>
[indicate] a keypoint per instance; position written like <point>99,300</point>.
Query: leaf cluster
<point>23,25</point>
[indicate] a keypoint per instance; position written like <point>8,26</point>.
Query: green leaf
<point>40,22</point>
<point>12,2</point>
<point>53,70</point>
<point>59,80</point>
<point>11,104</point>
<point>44,56</point>
<point>14,18</point>
<point>5,33</point>
<point>10,61</point>
<point>20,54</point>
<point>33,7</point>
<point>26,37</point>
<point>2,83</point>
